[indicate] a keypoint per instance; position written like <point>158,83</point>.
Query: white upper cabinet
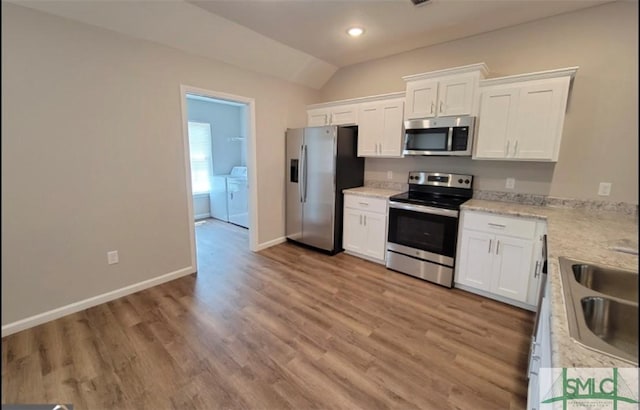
<point>422,99</point>
<point>379,119</point>
<point>342,114</point>
<point>521,117</point>
<point>380,130</point>
<point>443,93</point>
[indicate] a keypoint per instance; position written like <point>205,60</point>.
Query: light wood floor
<point>286,328</point>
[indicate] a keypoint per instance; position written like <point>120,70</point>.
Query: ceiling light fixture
<point>355,31</point>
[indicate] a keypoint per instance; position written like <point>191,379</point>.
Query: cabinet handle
<point>432,107</point>
<point>360,219</point>
<point>365,220</point>
<point>507,149</point>
<point>364,203</point>
<point>497,247</point>
<point>535,273</point>
<point>536,359</point>
<point>515,148</point>
<point>496,225</point>
<point>490,240</point>
<point>441,110</point>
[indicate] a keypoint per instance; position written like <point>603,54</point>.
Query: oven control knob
<point>460,181</point>
<point>466,181</point>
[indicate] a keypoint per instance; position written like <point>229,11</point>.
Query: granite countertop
<point>371,192</point>
<point>579,234</point>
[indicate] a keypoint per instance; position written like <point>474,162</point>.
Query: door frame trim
<point>250,119</point>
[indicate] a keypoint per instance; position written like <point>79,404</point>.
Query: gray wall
<point>600,140</point>
<point>93,157</point>
<point>226,122</point>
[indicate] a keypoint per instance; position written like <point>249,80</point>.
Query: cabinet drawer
<point>365,203</point>
<point>505,225</point>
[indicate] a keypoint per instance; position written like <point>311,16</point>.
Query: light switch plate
<point>604,189</point>
<point>510,184</point>
<point>112,257</point>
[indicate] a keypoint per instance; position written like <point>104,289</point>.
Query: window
<point>200,153</point>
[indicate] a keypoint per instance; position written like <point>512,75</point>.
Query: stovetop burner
<point>428,199</point>
<point>436,189</point>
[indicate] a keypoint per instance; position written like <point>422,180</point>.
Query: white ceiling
<point>302,41</point>
<point>318,27</point>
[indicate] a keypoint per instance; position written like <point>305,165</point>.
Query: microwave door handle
<point>450,139</point>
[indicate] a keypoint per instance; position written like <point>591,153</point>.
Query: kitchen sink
<point>602,307</point>
<point>609,281</point>
<point>614,322</point>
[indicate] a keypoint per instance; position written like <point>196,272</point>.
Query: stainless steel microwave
<point>439,136</point>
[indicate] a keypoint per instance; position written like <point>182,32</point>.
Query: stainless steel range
<point>423,225</point>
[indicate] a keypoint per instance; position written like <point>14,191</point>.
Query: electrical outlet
<point>389,174</point>
<point>604,189</point>
<point>510,184</point>
<point>112,257</point>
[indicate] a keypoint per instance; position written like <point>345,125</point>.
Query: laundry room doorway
<point>218,139</point>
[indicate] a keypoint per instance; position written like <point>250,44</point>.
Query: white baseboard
<point>202,216</point>
<point>268,244</point>
<point>93,301</point>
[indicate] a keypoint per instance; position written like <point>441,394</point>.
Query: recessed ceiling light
<point>355,31</point>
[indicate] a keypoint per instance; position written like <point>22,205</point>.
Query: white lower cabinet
<point>500,257</point>
<point>365,227</point>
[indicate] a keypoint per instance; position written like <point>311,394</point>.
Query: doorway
<point>219,141</point>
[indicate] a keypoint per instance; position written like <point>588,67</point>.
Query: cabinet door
<point>496,123</point>
<point>540,119</point>
<point>392,128</point>
<point>375,227</point>
<point>512,268</point>
<point>353,236</point>
<point>421,99</point>
<point>317,118</point>
<point>475,259</point>
<point>344,115</point>
<point>455,96</point>
<point>369,130</point>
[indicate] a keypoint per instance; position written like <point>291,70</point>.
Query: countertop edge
<point>371,192</point>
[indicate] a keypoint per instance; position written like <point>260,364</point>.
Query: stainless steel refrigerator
<point>321,162</point>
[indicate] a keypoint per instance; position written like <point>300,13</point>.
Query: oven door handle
<point>424,209</point>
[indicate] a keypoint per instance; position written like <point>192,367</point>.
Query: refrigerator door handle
<point>305,173</point>
<point>301,174</point>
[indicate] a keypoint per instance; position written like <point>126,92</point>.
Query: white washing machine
<point>238,200</point>
<point>227,206</point>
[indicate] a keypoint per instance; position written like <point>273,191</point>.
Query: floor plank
<point>285,328</point>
